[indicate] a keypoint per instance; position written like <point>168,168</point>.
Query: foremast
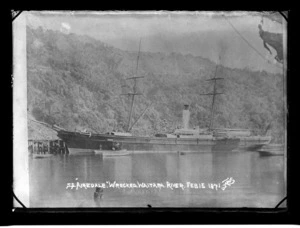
<point>134,92</point>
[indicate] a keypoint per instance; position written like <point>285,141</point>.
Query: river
<point>203,180</point>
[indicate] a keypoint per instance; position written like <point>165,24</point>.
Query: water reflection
<point>259,182</point>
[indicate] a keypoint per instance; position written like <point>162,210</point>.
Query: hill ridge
<point>76,81</point>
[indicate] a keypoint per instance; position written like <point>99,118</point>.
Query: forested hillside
<point>75,81</point>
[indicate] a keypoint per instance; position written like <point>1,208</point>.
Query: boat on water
<point>42,155</point>
<point>184,140</point>
<point>112,153</point>
<point>272,150</point>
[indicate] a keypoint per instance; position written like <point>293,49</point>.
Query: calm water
<point>258,181</point>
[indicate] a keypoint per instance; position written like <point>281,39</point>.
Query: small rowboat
<point>42,155</point>
<point>272,150</point>
<point>109,153</point>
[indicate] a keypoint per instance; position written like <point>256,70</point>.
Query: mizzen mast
<point>214,93</point>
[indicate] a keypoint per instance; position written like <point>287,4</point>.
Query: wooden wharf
<point>47,147</point>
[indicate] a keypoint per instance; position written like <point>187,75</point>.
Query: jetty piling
<point>47,147</point>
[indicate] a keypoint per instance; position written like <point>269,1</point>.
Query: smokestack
<point>186,117</point>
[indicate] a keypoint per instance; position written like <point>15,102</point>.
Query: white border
<point>20,137</point>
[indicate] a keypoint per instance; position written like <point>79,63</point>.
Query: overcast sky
<point>200,34</point>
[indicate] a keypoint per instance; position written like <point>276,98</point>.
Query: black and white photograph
<point>150,109</point>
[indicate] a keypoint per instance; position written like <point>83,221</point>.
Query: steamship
<point>184,140</point>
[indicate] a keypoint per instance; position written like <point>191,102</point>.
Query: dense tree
<point>77,81</point>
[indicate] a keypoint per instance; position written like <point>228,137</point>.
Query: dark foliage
<point>76,81</point>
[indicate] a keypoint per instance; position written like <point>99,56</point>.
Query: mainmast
<point>134,92</point>
<point>214,93</point>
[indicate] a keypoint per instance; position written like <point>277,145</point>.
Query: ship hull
<point>81,143</point>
